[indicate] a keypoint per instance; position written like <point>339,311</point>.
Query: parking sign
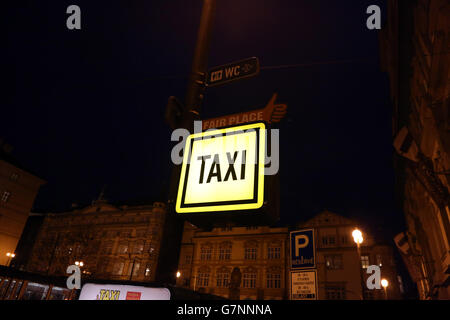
<point>303,251</point>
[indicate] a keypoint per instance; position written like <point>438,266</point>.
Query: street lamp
<point>178,274</point>
<point>384,284</point>
<point>79,263</point>
<point>358,238</point>
<point>10,256</point>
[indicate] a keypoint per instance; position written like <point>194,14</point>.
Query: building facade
<point>262,256</point>
<point>339,271</point>
<point>18,189</point>
<point>113,242</point>
<point>415,48</point>
<point>208,259</point>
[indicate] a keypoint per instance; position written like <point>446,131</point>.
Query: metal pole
<point>196,84</point>
<point>173,228</point>
<point>360,271</point>
<point>132,268</point>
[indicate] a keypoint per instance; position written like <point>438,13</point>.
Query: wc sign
<point>303,253</point>
<point>223,170</point>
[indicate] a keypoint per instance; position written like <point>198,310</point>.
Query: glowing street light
<point>385,284</point>
<point>10,256</point>
<point>178,274</point>
<point>79,263</point>
<point>358,238</point>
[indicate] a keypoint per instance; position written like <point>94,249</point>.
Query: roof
<point>8,158</point>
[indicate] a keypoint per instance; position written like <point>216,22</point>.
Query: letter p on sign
<point>301,241</point>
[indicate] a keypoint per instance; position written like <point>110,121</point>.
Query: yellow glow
<point>178,274</point>
<point>357,236</point>
<point>201,193</point>
<point>384,283</point>
<point>8,254</point>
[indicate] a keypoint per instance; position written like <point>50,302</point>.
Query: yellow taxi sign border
<point>234,205</point>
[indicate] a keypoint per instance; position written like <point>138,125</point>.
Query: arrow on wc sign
<point>233,71</point>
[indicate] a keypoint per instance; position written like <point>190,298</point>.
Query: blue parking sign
<point>303,250</point>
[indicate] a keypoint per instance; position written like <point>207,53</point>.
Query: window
<point>138,247</point>
<point>365,262</point>
<point>148,270</point>
<point>273,280</point>
<point>274,253</point>
<point>252,228</point>
<point>14,177</point>
<point>250,254</point>
<point>35,291</point>
<point>344,240</point>
<point>225,252</point>
<point>135,268</point>
<point>205,253</point>
<point>249,280</point>
<point>5,196</point>
<point>118,268</point>
<point>329,240</point>
<point>223,279</point>
<point>335,293</point>
<point>369,294</point>
<point>379,260</point>
<point>226,229</point>
<point>187,259</point>
<point>202,279</point>
<point>333,261</point>
<point>107,249</point>
<point>123,248</point>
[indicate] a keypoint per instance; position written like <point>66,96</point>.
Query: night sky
<point>85,108</point>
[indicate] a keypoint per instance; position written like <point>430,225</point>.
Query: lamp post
<point>385,284</point>
<point>10,256</point>
<point>358,238</point>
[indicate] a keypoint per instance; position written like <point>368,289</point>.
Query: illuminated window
<point>118,268</point>
<point>223,279</point>
<point>123,248</point>
<point>249,280</point>
<point>274,253</point>
<point>273,280</point>
<point>138,247</point>
<point>5,196</point>
<point>379,260</point>
<point>365,262</point>
<point>250,254</point>
<point>333,261</point>
<point>135,268</point>
<point>148,270</point>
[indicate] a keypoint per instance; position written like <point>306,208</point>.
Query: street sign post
<point>304,285</point>
<point>223,170</point>
<point>233,71</point>
<point>303,251</point>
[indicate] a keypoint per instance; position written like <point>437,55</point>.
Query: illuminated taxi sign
<point>223,170</point>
